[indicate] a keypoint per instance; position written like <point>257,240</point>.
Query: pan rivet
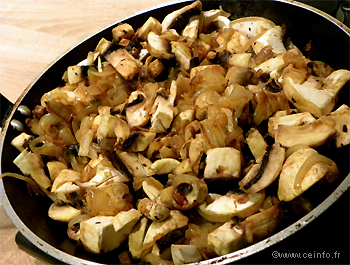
<point>24,110</point>
<point>17,125</point>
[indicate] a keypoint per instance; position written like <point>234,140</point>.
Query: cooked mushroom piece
<point>151,24</point>
<point>102,234</point>
<point>21,141</point>
<point>301,170</point>
<point>152,210</point>
<point>217,208</point>
<point>63,213</point>
<point>310,94</point>
<point>256,143</point>
<point>261,225</point>
<point>252,26</point>
<point>158,46</point>
<point>312,134</point>
<point>185,192</point>
<point>224,162</point>
<point>179,19</point>
<point>272,37</point>
<point>227,238</point>
<point>265,171</point>
<point>183,254</point>
<point>157,230</point>
<point>292,119</point>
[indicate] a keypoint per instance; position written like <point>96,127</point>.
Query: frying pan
<point>330,43</point>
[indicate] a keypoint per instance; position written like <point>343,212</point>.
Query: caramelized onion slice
<point>306,166</point>
<point>294,148</point>
<point>31,183</point>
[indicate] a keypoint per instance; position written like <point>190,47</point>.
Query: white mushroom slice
<point>151,24</point>
<point>176,19</point>
<point>55,167</point>
<point>342,125</point>
<point>152,188</point>
<point>223,208</point>
<point>265,171</point>
<point>272,37</point>
<point>63,213</point>
<point>240,59</point>
<point>237,41</point>
<point>136,237</point>
<point>32,164</point>
<point>183,254</point>
<point>252,26</point>
<point>301,170</point>
<point>133,164</point>
<point>98,235</point>
<point>312,134</point>
<point>152,210</point>
<point>275,63</point>
<point>124,63</point>
<point>256,143</point>
<point>158,46</point>
<point>164,166</point>
<point>21,141</point>
<point>103,46</point>
<point>223,162</point>
<point>142,141</point>
<point>292,119</point>
<point>310,95</point>
<point>261,225</point>
<point>122,31</point>
<point>124,222</point>
<point>157,230</point>
<point>182,54</point>
<point>163,110</point>
<point>74,74</point>
<point>221,22</point>
<point>213,15</point>
<point>192,28</point>
<point>226,238</point>
<point>138,115</point>
<point>65,191</point>
<point>66,175</point>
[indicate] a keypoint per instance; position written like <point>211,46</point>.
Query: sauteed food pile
<point>184,139</point>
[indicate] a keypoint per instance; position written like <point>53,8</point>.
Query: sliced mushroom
<point>192,28</point>
<point>252,26</point>
<point>183,254</point>
<point>63,213</point>
<point>124,63</point>
<point>312,134</point>
<point>237,42</point>
<point>261,225</point>
<point>297,119</point>
<point>158,46</point>
<point>272,37</point>
<point>256,143</point>
<point>265,171</point>
<point>157,230</point>
<point>136,237</point>
<point>227,238</point>
<point>66,175</point>
<point>310,95</point>
<point>164,166</point>
<point>179,19</point>
<point>239,59</point>
<point>185,192</point>
<point>55,167</point>
<point>151,24</point>
<point>223,162</point>
<point>21,141</point>
<point>142,141</point>
<point>123,31</point>
<point>74,74</point>
<point>213,16</point>
<point>301,170</point>
<point>163,111</point>
<point>152,210</point>
<point>341,117</point>
<point>217,208</point>
<point>137,111</point>
<point>152,188</point>
<point>182,54</point>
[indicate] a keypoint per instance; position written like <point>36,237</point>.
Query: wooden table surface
<point>33,34</point>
